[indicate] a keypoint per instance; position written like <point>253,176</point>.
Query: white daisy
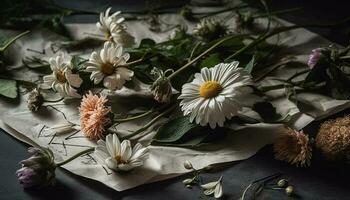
<point>213,188</point>
<point>214,94</point>
<point>114,28</point>
<point>107,65</point>
<point>62,79</point>
<point>120,156</point>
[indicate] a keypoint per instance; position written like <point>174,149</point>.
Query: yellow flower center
<point>107,68</point>
<point>120,160</point>
<point>210,89</point>
<point>108,36</point>
<point>60,75</point>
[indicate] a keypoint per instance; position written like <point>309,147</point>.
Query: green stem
<point>220,11</point>
<point>281,30</point>
<point>134,117</point>
<point>13,40</point>
<point>279,86</point>
<point>298,74</point>
<point>277,12</point>
<point>150,123</point>
<point>201,55</point>
<point>75,156</point>
<point>345,57</point>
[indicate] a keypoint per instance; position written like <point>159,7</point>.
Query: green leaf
<point>8,88</point>
<point>249,67</point>
<point>174,130</point>
<point>211,60</point>
<point>147,43</point>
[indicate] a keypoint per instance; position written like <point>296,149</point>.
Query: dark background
<point>323,180</point>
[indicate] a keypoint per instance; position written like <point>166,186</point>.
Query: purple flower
<point>314,57</point>
<point>38,170</point>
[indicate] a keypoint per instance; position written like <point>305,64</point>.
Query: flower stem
<point>277,12</point>
<point>75,156</point>
<point>13,40</point>
<point>134,117</point>
<point>281,30</point>
<point>201,55</point>
<point>150,123</point>
<point>220,11</point>
<point>345,57</point>
<point>298,74</point>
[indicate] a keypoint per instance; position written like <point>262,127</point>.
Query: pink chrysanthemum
<point>293,146</point>
<point>94,116</point>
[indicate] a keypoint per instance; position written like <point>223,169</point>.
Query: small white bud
<point>289,190</point>
<point>188,165</point>
<point>282,183</point>
<point>187,181</point>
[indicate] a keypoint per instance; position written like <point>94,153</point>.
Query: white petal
<point>125,151</point>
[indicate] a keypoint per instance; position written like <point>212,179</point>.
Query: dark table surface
<point>323,180</point>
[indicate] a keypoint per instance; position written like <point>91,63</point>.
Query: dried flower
<point>333,139</point>
<point>213,188</point>
<point>114,28</point>
<point>210,29</point>
<point>94,116</point>
<point>38,170</point>
<point>161,88</point>
<point>293,147</point>
<point>35,100</point>
<point>289,190</point>
<point>62,79</point>
<point>314,57</point>
<point>120,156</point>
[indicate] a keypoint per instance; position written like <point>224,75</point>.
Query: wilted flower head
<point>333,139</point>
<point>314,57</point>
<point>210,29</point>
<point>244,20</point>
<point>293,147</point>
<point>94,116</point>
<point>38,170</point>
<point>114,28</point>
<point>161,88</point>
<point>120,156</point>
<point>62,79</point>
<point>35,100</point>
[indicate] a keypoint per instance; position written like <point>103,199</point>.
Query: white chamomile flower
<point>120,156</point>
<point>214,94</point>
<point>109,65</point>
<point>62,79</point>
<point>114,28</point>
<point>121,36</point>
<point>213,188</point>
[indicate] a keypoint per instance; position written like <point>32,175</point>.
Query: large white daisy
<point>109,65</point>
<point>62,79</point>
<point>214,94</point>
<point>114,28</point>
<point>120,156</point>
